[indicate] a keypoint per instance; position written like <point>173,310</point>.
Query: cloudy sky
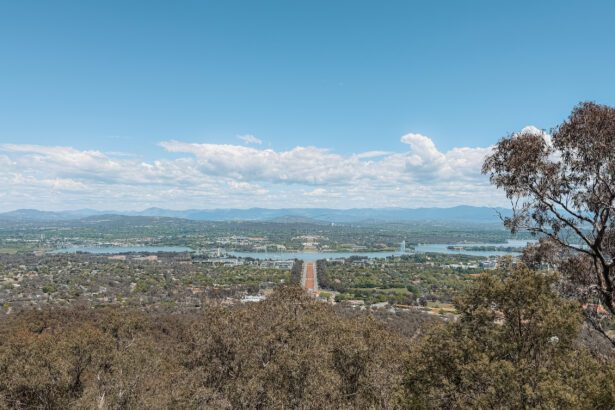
<point>131,104</point>
<point>244,174</point>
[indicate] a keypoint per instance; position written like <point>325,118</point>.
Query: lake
<point>424,248</point>
<point>310,256</point>
<point>121,249</point>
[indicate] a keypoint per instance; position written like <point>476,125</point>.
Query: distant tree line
<point>296,272</point>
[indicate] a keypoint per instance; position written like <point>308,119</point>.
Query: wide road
<point>309,272</point>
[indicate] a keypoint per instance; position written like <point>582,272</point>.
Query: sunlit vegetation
<point>405,280</point>
<point>169,281</point>
<point>287,352</point>
<point>515,345</point>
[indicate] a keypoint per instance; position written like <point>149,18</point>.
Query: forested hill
<point>457,213</point>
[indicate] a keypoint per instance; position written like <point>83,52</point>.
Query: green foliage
<point>513,346</point>
<point>287,352</point>
<point>325,295</point>
<point>398,280</point>
<point>49,288</point>
<point>296,272</point>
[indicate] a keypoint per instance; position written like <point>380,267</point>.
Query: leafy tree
<point>562,187</point>
<point>513,346</point>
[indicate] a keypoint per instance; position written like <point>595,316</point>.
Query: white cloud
<point>247,188</point>
<point>317,192</point>
<point>530,129</point>
<point>373,154</point>
<point>224,175</point>
<point>250,139</point>
<point>307,165</point>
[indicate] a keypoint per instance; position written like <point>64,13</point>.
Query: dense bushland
<point>515,345</point>
<point>286,352</point>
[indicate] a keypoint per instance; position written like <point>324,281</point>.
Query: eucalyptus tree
<point>562,186</point>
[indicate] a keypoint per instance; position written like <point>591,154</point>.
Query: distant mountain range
<point>461,213</point>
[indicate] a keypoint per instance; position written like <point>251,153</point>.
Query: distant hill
<point>33,215</point>
<point>461,213</point>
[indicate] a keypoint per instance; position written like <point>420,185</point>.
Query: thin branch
<point>571,212</point>
<point>599,328</point>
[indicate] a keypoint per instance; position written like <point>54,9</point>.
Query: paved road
<point>309,272</point>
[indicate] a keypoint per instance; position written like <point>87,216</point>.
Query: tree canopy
<point>515,345</point>
<point>562,187</point>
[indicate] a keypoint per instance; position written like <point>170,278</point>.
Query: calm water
<point>442,248</point>
<point>310,256</point>
<point>122,249</point>
<point>433,247</point>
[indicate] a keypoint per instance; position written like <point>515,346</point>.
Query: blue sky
<point>123,78</point>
